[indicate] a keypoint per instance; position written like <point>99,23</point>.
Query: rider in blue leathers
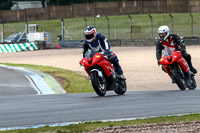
<point>99,42</point>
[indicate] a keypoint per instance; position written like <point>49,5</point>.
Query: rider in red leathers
<point>168,40</point>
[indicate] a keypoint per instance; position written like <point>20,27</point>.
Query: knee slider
<point>112,59</point>
<point>116,60</point>
<point>187,56</point>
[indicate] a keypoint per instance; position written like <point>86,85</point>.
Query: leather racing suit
<point>174,41</point>
<point>101,44</point>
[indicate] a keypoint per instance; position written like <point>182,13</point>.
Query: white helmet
<point>163,32</point>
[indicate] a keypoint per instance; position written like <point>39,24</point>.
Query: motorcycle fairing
<point>175,57</point>
<point>99,60</point>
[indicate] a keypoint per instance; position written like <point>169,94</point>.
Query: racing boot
<point>120,74</point>
<point>119,71</point>
<point>191,67</point>
<point>188,59</point>
<point>114,60</point>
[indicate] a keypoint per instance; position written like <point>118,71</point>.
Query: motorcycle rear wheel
<point>98,83</point>
<point>178,79</point>
<point>194,84</point>
<point>122,88</point>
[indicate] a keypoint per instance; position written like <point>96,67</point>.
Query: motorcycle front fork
<point>168,69</point>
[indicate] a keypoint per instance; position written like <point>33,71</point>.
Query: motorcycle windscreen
<point>168,51</point>
<point>90,54</point>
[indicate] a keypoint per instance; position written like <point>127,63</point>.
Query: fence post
<point>94,21</point>
<point>2,35</point>
<point>85,21</point>
<point>142,6</point>
<point>131,25</point>
<point>26,25</point>
<point>48,10</point>
<point>2,21</point>
<point>26,28</point>
<point>62,29</point>
<point>151,25</point>
<point>172,22</point>
<point>192,30</point>
<point>108,27</point>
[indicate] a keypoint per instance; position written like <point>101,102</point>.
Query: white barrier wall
<point>17,47</point>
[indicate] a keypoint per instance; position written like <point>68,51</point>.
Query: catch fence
<point>115,27</point>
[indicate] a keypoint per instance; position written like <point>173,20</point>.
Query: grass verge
<point>89,126</point>
<point>71,81</point>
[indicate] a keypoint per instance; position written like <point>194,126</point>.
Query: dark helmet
<point>90,33</point>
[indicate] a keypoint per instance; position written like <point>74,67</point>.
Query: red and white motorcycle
<point>177,68</point>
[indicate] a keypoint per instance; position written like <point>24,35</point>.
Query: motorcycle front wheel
<point>98,83</point>
<point>178,79</point>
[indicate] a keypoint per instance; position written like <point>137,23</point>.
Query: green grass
<point>119,26</point>
<point>72,82</point>
<point>89,126</point>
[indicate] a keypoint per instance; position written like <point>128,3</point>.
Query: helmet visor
<point>90,36</point>
<point>162,35</point>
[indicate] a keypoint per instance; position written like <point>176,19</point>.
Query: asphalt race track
<point>33,110</point>
<point>14,83</point>
<point>30,109</point>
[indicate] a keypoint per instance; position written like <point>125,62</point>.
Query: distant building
<point>20,5</point>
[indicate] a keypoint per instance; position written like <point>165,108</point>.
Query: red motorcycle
<point>102,74</point>
<point>177,68</point>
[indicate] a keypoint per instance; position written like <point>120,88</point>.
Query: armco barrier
<point>128,42</point>
<point>191,40</point>
<point>150,42</point>
<point>70,44</point>
<point>17,47</point>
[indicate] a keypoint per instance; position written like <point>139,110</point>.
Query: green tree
<point>5,4</point>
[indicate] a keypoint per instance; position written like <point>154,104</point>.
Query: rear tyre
<point>98,83</point>
<point>194,84</point>
<point>178,79</point>
<point>122,88</point>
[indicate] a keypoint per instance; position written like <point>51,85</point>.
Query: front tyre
<point>98,83</point>
<point>178,78</point>
<point>122,88</point>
